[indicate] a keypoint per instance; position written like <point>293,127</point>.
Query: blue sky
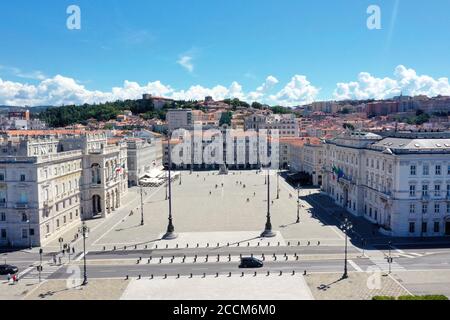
<point>186,48</point>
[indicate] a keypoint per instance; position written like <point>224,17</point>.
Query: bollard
<point>125,248</point>
<point>167,246</point>
<point>298,244</point>
<point>218,257</point>
<point>297,257</point>
<point>178,276</point>
<point>217,274</point>
<point>242,274</point>
<point>289,244</point>
<point>268,273</point>
<point>278,244</point>
<point>281,273</point>
<point>104,248</point>
<point>207,245</point>
<point>139,278</point>
<point>268,244</point>
<point>293,272</point>
<point>258,244</point>
<point>248,244</point>
<point>146,246</point>
<point>197,245</point>
<point>191,275</point>
<point>218,245</point>
<point>151,277</point>
<point>156,246</point>
<point>304,273</point>
<point>229,275</point>
<point>187,245</point>
<point>127,277</point>
<point>255,274</point>
<point>318,243</point>
<point>309,243</point>
<point>135,247</point>
<point>177,246</point>
<point>114,248</point>
<point>228,244</point>
<point>165,276</point>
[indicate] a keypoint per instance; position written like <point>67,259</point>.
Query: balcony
<point>386,195</point>
<point>21,205</point>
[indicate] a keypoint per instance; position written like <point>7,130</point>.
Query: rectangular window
<point>438,170</point>
<point>412,208</point>
<point>2,177</point>
<point>437,227</point>
<point>3,216</point>
<point>437,208</point>
<point>413,170</point>
<point>3,234</point>
<point>437,190</point>
<point>424,227</point>
<point>424,208</point>
<point>412,191</point>
<point>412,227</point>
<point>426,170</point>
<point>24,233</point>
<point>22,177</point>
<point>31,232</point>
<point>425,190</point>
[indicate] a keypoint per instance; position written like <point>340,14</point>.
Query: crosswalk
<point>47,271</point>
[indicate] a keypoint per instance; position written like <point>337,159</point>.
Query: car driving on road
<point>7,269</point>
<point>251,263</point>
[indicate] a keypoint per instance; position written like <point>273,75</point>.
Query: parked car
<point>6,269</point>
<point>251,263</point>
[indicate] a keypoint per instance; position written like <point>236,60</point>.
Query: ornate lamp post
<point>170,234</point>
<point>84,231</point>
<point>268,233</point>
<point>346,227</point>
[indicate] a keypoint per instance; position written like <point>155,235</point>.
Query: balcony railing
<point>21,205</point>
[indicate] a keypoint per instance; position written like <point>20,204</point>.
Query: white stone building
<point>49,183</point>
<point>401,184</point>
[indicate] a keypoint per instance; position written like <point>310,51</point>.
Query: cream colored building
<point>49,183</point>
<point>401,183</point>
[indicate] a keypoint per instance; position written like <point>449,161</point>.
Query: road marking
<point>354,265</point>
<point>81,256</point>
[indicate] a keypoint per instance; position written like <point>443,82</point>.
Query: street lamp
<point>180,178</point>
<point>389,258</point>
<point>278,184</point>
<point>167,186</point>
<point>40,263</point>
<point>142,207</point>
<point>84,231</point>
<point>346,227</point>
<point>29,234</point>
<point>298,203</point>
<point>268,233</point>
<point>170,234</point>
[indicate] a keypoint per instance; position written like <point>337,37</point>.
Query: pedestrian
<point>59,260</point>
<point>14,278</point>
<point>9,278</point>
<point>73,250</point>
<point>54,259</point>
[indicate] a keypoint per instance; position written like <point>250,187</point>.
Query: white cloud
<point>186,62</point>
<point>35,75</point>
<point>261,91</point>
<point>297,92</point>
<point>405,81</point>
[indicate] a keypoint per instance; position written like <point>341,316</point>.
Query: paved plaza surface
<point>218,219</point>
<point>216,288</point>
